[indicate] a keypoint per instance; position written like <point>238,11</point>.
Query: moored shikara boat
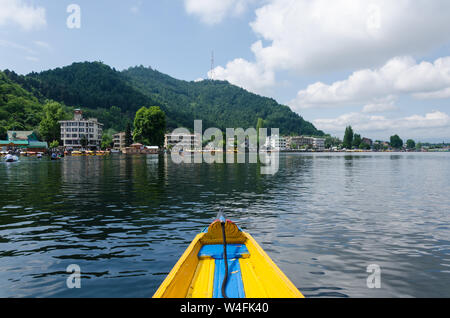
<point>241,270</point>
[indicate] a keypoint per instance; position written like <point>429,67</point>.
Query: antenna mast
<point>211,72</point>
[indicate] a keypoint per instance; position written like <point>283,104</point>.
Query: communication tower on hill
<point>211,72</point>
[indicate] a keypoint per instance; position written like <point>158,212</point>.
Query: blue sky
<point>159,34</point>
<point>382,67</point>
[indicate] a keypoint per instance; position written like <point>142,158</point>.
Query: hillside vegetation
<point>19,109</point>
<point>219,104</point>
<point>114,98</point>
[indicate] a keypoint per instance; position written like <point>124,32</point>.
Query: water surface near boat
<point>322,219</point>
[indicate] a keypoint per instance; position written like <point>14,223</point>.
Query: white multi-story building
<point>276,142</point>
<point>299,142</point>
<point>119,141</point>
<point>184,141</point>
<point>74,131</point>
<point>318,144</point>
<point>282,143</point>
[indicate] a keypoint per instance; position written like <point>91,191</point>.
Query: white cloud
<point>414,126</point>
<point>378,108</point>
<point>316,36</point>
<point>441,94</point>
<point>43,44</point>
<point>381,106</point>
<point>436,119</point>
<point>401,75</point>
<point>245,74</point>
<point>214,11</point>
<point>16,46</point>
<point>323,35</point>
<point>18,12</point>
<point>359,122</point>
<point>31,54</point>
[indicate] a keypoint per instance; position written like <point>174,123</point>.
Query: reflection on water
<point>323,219</point>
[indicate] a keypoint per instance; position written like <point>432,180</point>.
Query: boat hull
<point>200,270</point>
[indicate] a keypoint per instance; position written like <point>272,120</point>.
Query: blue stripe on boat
<point>216,251</point>
<point>235,286</point>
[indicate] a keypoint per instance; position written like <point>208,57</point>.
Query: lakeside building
<point>367,141</point>
<point>377,143</point>
<point>299,142</point>
<point>119,141</point>
<point>232,144</point>
<point>185,141</point>
<point>23,140</point>
<point>140,149</point>
<point>73,131</point>
<point>318,144</point>
<point>276,142</point>
<point>282,143</point>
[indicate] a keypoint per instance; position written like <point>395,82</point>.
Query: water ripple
<point>323,219</point>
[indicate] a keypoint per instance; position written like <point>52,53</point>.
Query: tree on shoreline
<point>332,142</point>
<point>150,126</point>
<point>107,141</point>
<point>54,144</point>
<point>410,144</point>
<point>396,142</point>
<point>357,140</point>
<point>128,136</point>
<point>364,146</point>
<point>259,125</point>
<point>49,128</point>
<point>419,146</point>
<point>348,138</point>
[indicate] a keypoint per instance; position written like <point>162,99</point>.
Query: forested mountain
<point>92,85</point>
<point>219,104</point>
<point>114,97</point>
<point>19,109</point>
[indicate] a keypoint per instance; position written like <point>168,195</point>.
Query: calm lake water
<point>323,218</point>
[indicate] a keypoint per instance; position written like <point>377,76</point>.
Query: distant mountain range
<point>114,97</point>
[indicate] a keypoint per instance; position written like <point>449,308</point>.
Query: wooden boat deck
<point>251,273</point>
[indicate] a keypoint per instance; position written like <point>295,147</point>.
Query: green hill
<point>19,109</point>
<point>99,90</point>
<point>91,85</point>
<point>114,97</point>
<point>219,104</point>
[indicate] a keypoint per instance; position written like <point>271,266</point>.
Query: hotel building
<point>73,131</point>
<point>298,142</point>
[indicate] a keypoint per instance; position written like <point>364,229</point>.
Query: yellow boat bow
<point>251,273</point>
